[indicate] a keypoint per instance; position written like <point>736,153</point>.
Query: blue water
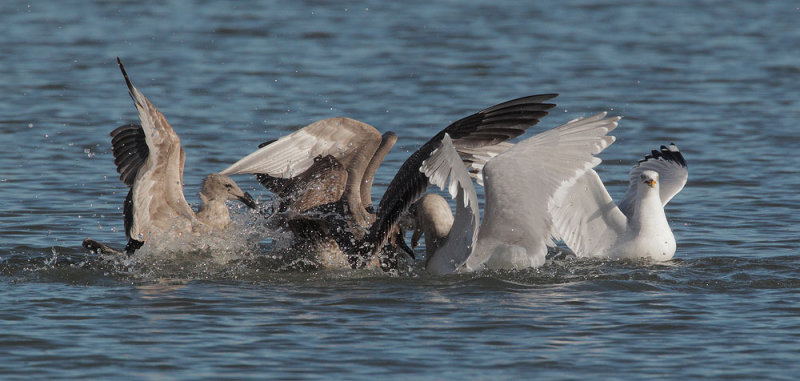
<point>719,78</point>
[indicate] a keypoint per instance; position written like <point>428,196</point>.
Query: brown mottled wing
<point>157,200</point>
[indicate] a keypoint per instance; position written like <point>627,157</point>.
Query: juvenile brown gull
<point>326,169</point>
<point>150,160</point>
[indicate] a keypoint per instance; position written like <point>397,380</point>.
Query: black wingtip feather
<point>500,122</point>
<point>666,153</point>
<point>127,79</point>
<point>493,125</point>
<point>530,99</point>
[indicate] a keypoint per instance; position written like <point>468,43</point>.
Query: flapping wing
<point>672,171</point>
<point>445,169</point>
<point>524,183</point>
<point>294,153</point>
<point>586,218</point>
<point>489,127</point>
<point>157,186</point>
<point>476,158</point>
<point>163,143</point>
<point>498,123</point>
<point>130,151</point>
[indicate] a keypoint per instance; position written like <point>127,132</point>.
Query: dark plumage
<point>301,192</point>
<point>348,152</point>
<point>491,126</point>
<point>130,151</point>
<point>670,153</point>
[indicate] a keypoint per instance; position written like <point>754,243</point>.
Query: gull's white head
<point>649,180</point>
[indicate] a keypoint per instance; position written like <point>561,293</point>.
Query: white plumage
<point>345,144</point>
<point>590,224</point>
<point>522,183</point>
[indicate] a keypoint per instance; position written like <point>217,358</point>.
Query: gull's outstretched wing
<point>129,146</point>
<point>672,171</point>
<point>346,145</point>
<point>476,158</point>
<point>489,127</point>
<point>344,139</point>
<point>445,169</point>
<point>523,184</point>
<point>156,195</point>
<point>586,218</point>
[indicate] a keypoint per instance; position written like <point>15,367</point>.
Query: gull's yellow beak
<point>651,183</point>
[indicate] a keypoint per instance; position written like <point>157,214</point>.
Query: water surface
<point>720,79</point>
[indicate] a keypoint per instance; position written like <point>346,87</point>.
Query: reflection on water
<point>161,287</point>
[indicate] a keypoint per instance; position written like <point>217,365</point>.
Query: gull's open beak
<point>651,183</point>
<point>248,200</point>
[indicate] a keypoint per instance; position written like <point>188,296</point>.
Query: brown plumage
<point>150,161</point>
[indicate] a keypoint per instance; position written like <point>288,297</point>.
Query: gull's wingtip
<point>125,74</point>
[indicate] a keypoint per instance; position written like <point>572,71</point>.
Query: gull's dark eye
<point>229,186</point>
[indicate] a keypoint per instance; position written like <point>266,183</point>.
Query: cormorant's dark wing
<point>489,127</point>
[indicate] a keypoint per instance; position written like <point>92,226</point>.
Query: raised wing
<point>586,218</point>
<point>445,169</point>
<point>129,146</point>
<point>524,182</point>
<point>498,123</point>
<point>341,138</point>
<point>157,186</point>
<point>476,158</point>
<point>348,143</point>
<point>485,128</point>
<point>672,170</point>
<point>163,143</point>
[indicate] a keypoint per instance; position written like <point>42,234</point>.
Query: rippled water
<point>721,79</point>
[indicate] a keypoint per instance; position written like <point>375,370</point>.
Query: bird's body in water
<point>344,154</point>
<point>522,183</point>
<point>580,213</point>
<point>591,224</point>
<point>150,159</point>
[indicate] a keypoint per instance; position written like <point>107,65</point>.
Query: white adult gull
<point>591,224</point>
<point>150,160</point>
<point>522,184</point>
<point>326,169</point>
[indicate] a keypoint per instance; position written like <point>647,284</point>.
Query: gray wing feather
<point>445,169</point>
<point>672,170</point>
